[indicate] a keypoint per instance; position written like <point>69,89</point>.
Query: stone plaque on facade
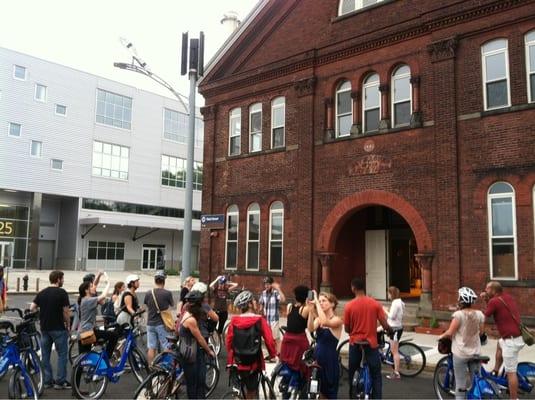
<point>370,164</point>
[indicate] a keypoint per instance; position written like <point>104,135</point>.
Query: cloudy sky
<point>84,34</point>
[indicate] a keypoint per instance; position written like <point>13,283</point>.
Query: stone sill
<point>498,111</point>
<point>242,272</point>
<point>369,134</point>
<point>257,153</point>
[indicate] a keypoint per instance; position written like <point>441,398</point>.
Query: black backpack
<point>107,310</point>
<point>247,344</point>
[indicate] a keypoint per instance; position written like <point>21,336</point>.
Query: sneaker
<point>64,385</point>
<point>393,376</point>
<point>49,385</point>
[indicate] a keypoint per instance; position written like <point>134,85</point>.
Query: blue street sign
<point>215,221</point>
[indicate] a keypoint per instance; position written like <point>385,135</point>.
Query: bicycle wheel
<point>34,367</point>
<point>444,380</point>
<point>73,351</point>
<point>265,390</point>
<point>21,386</point>
<point>85,385</point>
<point>212,377</point>
<point>343,356</point>
<point>412,359</point>
<point>157,385</point>
<point>486,389</point>
<point>357,389</point>
<point>139,365</point>
<point>526,375</point>
<point>278,382</point>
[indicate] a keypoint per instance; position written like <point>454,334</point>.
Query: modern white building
<point>92,171</point>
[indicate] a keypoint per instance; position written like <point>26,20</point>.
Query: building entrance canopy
<point>139,221</point>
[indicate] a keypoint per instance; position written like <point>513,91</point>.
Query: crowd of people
<point>202,308</point>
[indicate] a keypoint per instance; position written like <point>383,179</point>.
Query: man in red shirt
<point>503,308</point>
<point>360,322</point>
<point>249,372</point>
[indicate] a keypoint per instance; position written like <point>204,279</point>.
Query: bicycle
<point>361,381</point>
<point>21,383</point>
<point>444,378</point>
<point>94,368</point>
<point>412,357</point>
<point>238,386</point>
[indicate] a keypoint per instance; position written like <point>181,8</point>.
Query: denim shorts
<point>157,337</point>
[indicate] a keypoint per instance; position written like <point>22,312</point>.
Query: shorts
<point>250,379</point>
<point>157,335</point>
<point>510,349</point>
<point>396,334</point>
<point>275,331</point>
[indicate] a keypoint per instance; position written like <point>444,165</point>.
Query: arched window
<point>371,107</point>
<point>344,109</point>
<point>255,127</point>
<point>495,63</point>
<point>347,6</point>
<point>234,147</point>
<point>276,236</point>
<point>401,96</point>
<point>278,122</point>
<point>530,65</point>
<point>502,231</point>
<point>253,237</point>
<point>231,248</point>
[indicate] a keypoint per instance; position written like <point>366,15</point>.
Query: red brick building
<point>392,140</point>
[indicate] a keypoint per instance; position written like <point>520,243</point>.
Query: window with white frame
<point>19,72</point>
<point>61,109</point>
<point>347,6</point>
<point>234,147</point>
<point>502,231</point>
<point>174,172</point>
<point>371,110</point>
<point>253,237</point>
<point>401,96</point>
<point>530,65</point>
<point>56,164</point>
<point>278,122</point>
<point>110,160</point>
<point>344,109</point>
<point>40,92</point>
<point>175,125</point>
<point>255,127</point>
<point>14,129</point>
<point>114,109</point>
<point>495,62</point>
<point>231,247</point>
<point>276,236</point>
<point>199,133</point>
<point>36,148</point>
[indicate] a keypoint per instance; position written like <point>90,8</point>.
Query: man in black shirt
<point>54,316</point>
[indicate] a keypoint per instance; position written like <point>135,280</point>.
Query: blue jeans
<point>157,337</point>
<point>61,340</point>
<point>373,360</point>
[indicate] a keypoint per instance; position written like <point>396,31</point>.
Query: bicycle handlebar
<point>15,309</point>
<point>136,314</point>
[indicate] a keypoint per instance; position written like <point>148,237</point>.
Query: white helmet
<point>243,299</point>
<point>467,295</point>
<point>200,287</point>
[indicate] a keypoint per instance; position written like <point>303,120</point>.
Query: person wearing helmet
<point>269,302</point>
<point>208,324</point>
<point>129,301</point>
<point>195,372</point>
<point>186,287</point>
<point>156,300</point>
<point>464,330</point>
<point>241,327</point>
<point>221,287</point>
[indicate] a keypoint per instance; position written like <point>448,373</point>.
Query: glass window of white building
<point>175,126</point>
<point>19,72</point>
<point>174,172</point>
<point>105,250</point>
<point>14,129</point>
<point>36,148</point>
<point>56,164</point>
<point>40,92</point>
<point>61,109</point>
<point>199,133</point>
<point>114,109</point>
<point>110,160</point>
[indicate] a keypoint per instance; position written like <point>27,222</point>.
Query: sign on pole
<point>215,221</point>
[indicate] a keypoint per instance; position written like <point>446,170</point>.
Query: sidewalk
<point>73,279</point>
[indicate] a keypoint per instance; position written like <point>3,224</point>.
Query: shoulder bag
<point>527,336</point>
<point>166,315</point>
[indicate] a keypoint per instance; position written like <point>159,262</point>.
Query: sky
<point>84,34</point>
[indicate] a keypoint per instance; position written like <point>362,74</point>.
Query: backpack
<point>107,310</point>
<point>247,344</point>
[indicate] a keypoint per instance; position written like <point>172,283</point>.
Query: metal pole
<point>186,237</point>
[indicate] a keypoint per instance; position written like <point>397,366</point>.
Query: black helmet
<point>89,278</point>
<point>194,297</point>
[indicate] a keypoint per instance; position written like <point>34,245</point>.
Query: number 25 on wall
<point>6,228</point>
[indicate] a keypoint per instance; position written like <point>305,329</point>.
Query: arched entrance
<point>379,236</point>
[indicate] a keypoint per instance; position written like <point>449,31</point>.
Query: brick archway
<point>344,209</point>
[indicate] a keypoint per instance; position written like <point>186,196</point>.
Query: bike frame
<point>11,357</point>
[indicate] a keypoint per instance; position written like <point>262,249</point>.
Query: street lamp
<point>196,68</point>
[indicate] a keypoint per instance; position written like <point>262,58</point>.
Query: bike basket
<point>444,346</point>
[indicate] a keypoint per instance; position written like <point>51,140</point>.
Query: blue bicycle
<point>14,342</point>
<point>361,382</point>
<point>92,371</point>
<point>444,378</point>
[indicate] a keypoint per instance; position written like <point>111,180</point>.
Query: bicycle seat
<point>482,359</point>
<point>172,339</point>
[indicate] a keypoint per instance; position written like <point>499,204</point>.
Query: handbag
<point>187,348</point>
<point>527,336</point>
<point>166,315</point>
<point>88,337</point>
